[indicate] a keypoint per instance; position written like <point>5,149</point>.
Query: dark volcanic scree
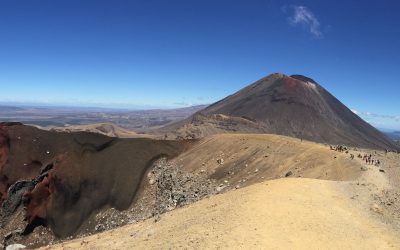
<point>61,178</point>
<point>294,106</point>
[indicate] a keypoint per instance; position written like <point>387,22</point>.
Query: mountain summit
<point>295,106</point>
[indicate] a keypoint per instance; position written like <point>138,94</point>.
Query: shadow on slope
<point>62,177</point>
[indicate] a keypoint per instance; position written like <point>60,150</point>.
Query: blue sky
<point>175,53</point>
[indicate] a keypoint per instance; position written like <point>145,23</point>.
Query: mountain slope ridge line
<point>295,106</point>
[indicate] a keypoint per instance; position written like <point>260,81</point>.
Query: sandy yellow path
<point>279,214</point>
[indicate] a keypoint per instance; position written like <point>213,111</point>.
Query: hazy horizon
<point>366,117</point>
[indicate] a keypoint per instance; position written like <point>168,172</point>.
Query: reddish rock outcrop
<point>37,200</point>
<point>61,178</point>
<point>4,151</point>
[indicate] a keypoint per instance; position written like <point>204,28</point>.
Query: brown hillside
<point>243,159</point>
<point>61,178</point>
<point>294,106</point>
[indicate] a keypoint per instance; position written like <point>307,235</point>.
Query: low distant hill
<point>395,136</point>
<point>4,109</point>
<point>295,106</point>
<point>138,120</point>
<point>107,129</point>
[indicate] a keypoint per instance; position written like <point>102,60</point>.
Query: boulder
<point>288,174</point>
<point>15,247</point>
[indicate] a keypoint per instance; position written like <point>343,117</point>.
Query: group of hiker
<point>340,148</point>
<point>392,151</point>
<point>369,160</point>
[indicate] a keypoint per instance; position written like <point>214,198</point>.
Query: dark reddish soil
<point>61,178</point>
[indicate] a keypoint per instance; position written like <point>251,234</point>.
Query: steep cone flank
<point>295,106</point>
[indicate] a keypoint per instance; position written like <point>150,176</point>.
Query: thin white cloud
<point>380,120</point>
<point>303,16</point>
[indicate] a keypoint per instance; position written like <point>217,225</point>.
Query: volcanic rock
<point>295,106</point>
<point>15,247</point>
<point>288,174</point>
<point>61,178</point>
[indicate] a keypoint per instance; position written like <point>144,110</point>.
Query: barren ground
<point>274,214</point>
<point>108,129</point>
<point>358,210</point>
